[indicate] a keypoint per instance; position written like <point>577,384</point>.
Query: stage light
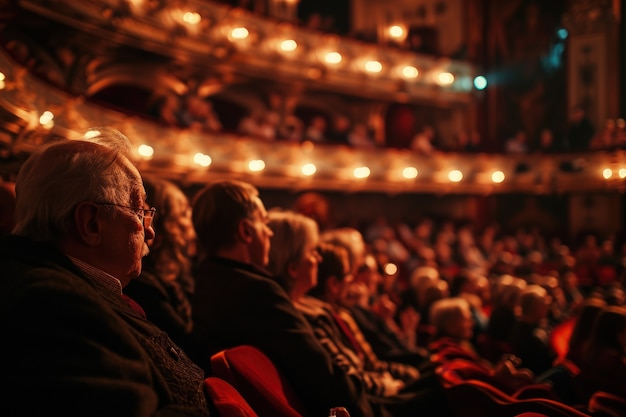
<point>480,82</point>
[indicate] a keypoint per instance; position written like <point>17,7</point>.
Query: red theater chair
<point>226,399</point>
<point>604,404</point>
<point>258,380</point>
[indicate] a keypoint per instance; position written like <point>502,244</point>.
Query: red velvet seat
<point>460,370</point>
<point>604,404</point>
<point>560,335</point>
<point>258,380</point>
<point>226,399</point>
<point>473,398</point>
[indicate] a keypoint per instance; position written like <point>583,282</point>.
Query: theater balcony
<point>60,59</point>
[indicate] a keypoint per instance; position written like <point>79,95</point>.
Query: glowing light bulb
<point>361,172</point>
<point>373,66</point>
<point>239,33</point>
<point>455,175</point>
<point>333,58</point>
<point>410,72</point>
<point>256,165</point>
<point>497,177</point>
<point>145,151</point>
<point>202,159</point>
<point>288,45</point>
<point>396,31</point>
<point>309,169</point>
<point>409,173</point>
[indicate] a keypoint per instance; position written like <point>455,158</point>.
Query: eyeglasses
<point>146,216</point>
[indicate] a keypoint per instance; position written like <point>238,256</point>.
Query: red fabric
<point>473,398</point>
<point>227,400</point>
<point>258,380</point>
<point>605,275</point>
<point>345,329</point>
<point>560,335</point>
<point>134,305</point>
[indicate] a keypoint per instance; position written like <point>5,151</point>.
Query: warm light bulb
<point>333,58</point>
<point>202,159</point>
<point>192,18</point>
<point>622,173</point>
<point>288,45</point>
<point>409,72</point>
<point>145,151</point>
<point>409,173</point>
<point>373,66</point>
<point>361,172</point>
<point>455,175</point>
<point>396,31</point>
<point>445,78</point>
<point>256,165</point>
<point>497,177</point>
<point>46,117</point>
<point>309,169</point>
<point>390,269</point>
<point>92,134</point>
<point>607,173</point>
<point>239,33</point>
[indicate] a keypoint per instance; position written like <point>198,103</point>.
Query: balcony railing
<point>34,112</point>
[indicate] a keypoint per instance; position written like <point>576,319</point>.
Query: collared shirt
<point>107,281</point>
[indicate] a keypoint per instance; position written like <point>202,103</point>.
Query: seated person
<point>384,336</point>
<point>603,365</point>
<point>237,302</point>
<point>165,285</point>
<point>529,338</point>
<point>454,327</point>
<point>294,262</point>
<point>77,346</point>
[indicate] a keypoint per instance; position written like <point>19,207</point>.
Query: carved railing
<point>179,154</point>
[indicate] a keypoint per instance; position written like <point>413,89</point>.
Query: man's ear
<point>244,231</point>
<point>292,269</point>
<point>87,222</point>
<point>333,282</point>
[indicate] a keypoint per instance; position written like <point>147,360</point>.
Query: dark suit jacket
<point>71,348</point>
<point>385,343</point>
<point>531,344</point>
<point>236,304</point>
<point>162,304</point>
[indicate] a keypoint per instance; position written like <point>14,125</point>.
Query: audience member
<point>387,337</point>
<point>339,131</point>
<point>529,335</point>
<point>316,130</point>
<point>237,302</point>
<point>251,124</point>
<point>518,144</point>
<point>604,361</point>
<point>580,130</point>
<point>165,285</point>
<point>400,387</point>
<point>198,114</point>
<point>581,331</point>
<point>423,141</point>
<point>291,129</point>
<point>360,137</point>
<point>505,310</point>
<point>7,206</point>
<point>453,324</point>
<point>547,144</point>
<point>77,345</point>
<point>294,262</point>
